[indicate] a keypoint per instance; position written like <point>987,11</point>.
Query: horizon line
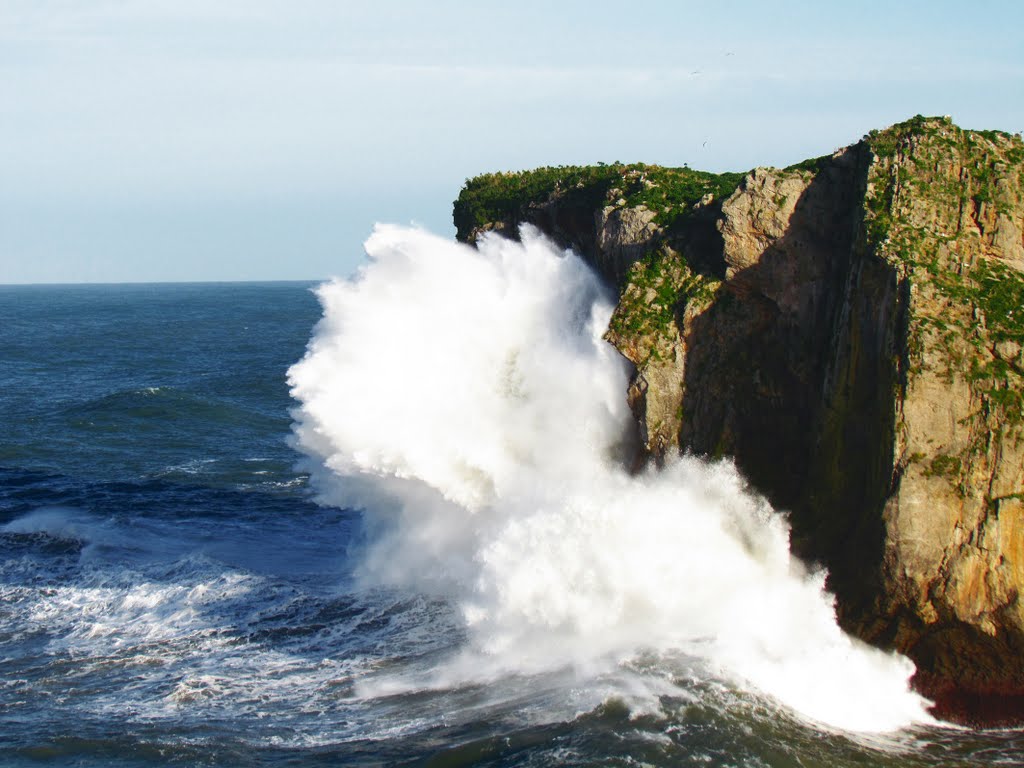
<point>112,283</point>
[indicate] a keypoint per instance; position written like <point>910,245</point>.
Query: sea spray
<point>464,398</point>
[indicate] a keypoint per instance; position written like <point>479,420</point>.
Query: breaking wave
<point>464,398</point>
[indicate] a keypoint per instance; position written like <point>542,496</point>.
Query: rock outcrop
<point>851,331</point>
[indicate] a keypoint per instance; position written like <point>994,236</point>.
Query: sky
<point>193,140</point>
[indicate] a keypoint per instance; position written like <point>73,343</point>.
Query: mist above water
<point>465,399</point>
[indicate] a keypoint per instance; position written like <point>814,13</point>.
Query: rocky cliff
<point>850,330</point>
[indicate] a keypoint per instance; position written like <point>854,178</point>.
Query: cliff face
<point>945,209</point>
<point>851,331</point>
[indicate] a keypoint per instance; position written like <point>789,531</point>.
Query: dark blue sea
<point>171,594</point>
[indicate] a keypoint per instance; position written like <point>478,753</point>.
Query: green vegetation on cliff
<point>496,197</point>
<point>940,208</point>
<point>659,287</point>
<point>669,192</point>
<point>913,159</point>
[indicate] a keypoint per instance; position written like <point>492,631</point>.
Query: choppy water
<point>169,593</point>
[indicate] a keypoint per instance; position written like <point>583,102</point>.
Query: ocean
<point>388,522</point>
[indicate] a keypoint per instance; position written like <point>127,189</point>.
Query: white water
<point>465,399</point>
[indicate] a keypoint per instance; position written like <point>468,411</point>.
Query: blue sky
<point>248,139</point>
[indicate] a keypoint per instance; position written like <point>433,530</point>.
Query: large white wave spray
<point>464,398</point>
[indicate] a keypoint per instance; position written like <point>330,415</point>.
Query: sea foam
<point>464,398</point>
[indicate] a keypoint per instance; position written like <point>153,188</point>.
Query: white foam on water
<point>116,613</point>
<point>58,522</point>
<point>466,400</point>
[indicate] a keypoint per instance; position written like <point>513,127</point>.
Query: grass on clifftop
<point>669,192</point>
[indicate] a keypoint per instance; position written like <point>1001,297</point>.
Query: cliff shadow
<point>792,371</point>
